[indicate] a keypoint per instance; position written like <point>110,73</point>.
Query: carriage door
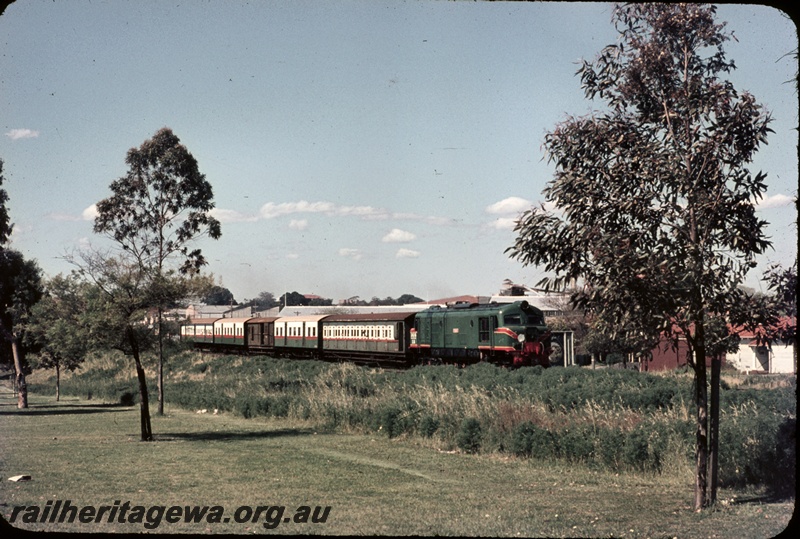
<point>400,335</point>
<point>253,336</point>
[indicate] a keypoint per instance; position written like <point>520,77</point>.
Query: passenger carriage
<point>298,336</point>
<point>199,331</point>
<point>379,336</point>
<point>229,333</point>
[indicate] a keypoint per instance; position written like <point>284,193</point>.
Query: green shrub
<point>529,440</point>
<point>469,435</point>
<point>784,481</point>
<point>391,420</point>
<point>428,426</point>
<point>575,443</point>
<point>128,398</point>
<point>635,453</point>
<point>609,443</point>
<point>758,449</point>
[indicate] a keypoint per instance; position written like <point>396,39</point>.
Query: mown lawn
<point>89,453</point>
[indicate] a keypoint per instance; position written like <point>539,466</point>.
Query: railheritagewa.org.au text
<point>151,517</point>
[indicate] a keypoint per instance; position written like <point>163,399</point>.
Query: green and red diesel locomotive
<point>513,334</point>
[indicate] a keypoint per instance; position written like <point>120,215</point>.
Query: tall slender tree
<point>654,198</point>
<point>156,213</point>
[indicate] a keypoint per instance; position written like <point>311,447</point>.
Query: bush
<point>758,449</point>
<point>609,445</point>
<point>529,440</point>
<point>469,435</point>
<point>576,444</point>
<point>785,477</point>
<point>428,426</point>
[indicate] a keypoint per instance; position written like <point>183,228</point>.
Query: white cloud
<point>89,213</point>
<point>271,210</point>
<point>346,252</point>
<point>292,256</point>
<point>774,201</point>
<point>509,205</point>
<point>407,253</point>
<point>398,236</point>
<point>232,216</point>
<point>16,134</point>
<point>366,212</point>
<point>504,223</point>
<point>298,224</point>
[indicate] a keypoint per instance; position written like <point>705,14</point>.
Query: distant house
<point>754,356</point>
<point>667,357</point>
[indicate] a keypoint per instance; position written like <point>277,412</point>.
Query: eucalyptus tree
<point>20,289</point>
<point>58,326</point>
<point>118,298</point>
<point>653,195</point>
<point>155,214</point>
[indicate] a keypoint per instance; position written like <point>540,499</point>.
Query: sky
<point>355,148</point>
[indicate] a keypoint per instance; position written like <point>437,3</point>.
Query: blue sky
<point>356,148</point>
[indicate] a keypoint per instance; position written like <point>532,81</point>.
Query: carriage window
<point>512,319</point>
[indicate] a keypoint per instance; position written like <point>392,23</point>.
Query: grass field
<point>88,452</point>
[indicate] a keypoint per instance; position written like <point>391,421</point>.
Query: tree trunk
<point>144,402</point>
<point>19,362</point>
<point>160,364</point>
<point>701,401</point>
<point>58,382</point>
<point>713,457</point>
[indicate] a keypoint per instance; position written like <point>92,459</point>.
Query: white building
<point>779,357</point>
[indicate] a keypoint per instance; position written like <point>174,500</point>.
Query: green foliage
<point>576,443</point>
<point>469,435</point>
<point>428,426</point>
<point>20,289</point>
<point>58,324</point>
<point>219,295</point>
<point>529,440</point>
<point>654,201</point>
<point>391,420</point>
<point>160,205</point>
<point>758,448</point>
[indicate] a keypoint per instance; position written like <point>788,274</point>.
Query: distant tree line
<point>219,295</point>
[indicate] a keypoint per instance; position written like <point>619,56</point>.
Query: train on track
<point>512,334</point>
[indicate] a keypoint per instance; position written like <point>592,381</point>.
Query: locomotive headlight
<point>521,337</point>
